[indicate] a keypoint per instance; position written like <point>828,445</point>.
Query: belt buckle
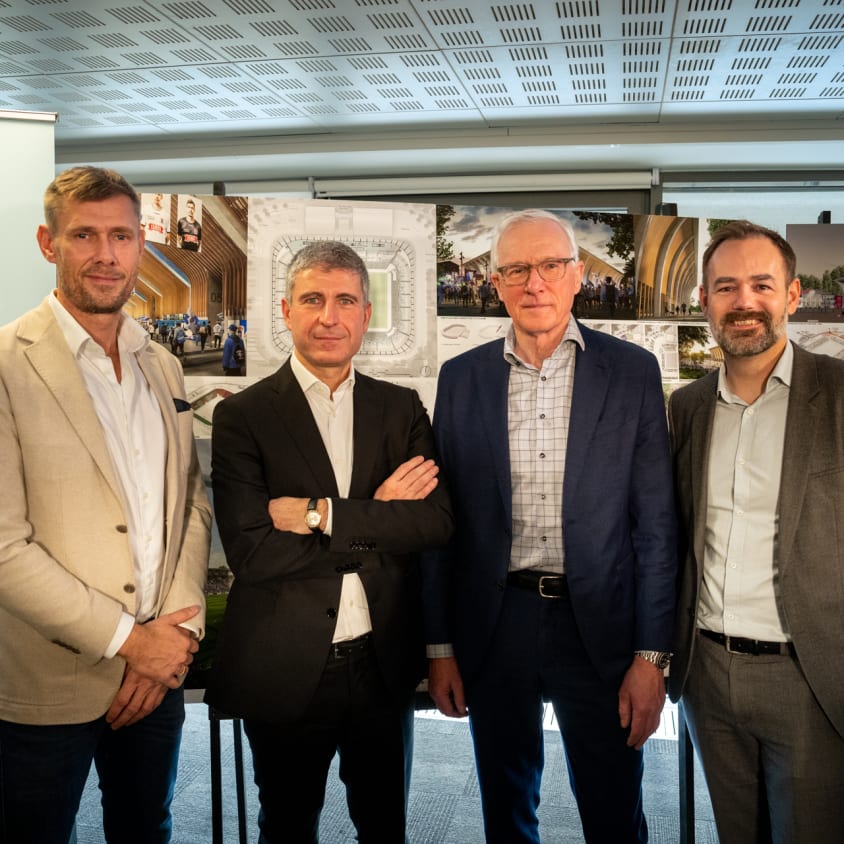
<point>542,593</point>
<point>728,645</point>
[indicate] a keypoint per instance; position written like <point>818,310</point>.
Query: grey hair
<point>529,215</point>
<point>327,255</point>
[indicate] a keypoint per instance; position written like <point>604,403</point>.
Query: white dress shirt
<point>130,417</point>
<point>738,596</point>
<point>334,416</point>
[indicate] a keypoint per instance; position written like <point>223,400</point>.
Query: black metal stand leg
<point>216,780</point>
<point>238,774</point>
<point>685,754</point>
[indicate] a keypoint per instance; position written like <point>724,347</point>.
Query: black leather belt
<point>753,647</point>
<point>545,585</point>
<point>351,647</point>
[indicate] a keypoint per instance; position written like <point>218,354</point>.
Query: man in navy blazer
<point>559,583</point>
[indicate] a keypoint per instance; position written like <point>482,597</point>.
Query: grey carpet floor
<point>444,802</point>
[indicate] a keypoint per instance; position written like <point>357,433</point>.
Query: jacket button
<point>122,529</point>
<point>500,585</point>
<point>331,612</point>
<point>129,588</point>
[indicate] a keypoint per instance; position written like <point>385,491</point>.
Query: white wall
<point>27,166</point>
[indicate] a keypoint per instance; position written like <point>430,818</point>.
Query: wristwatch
<point>660,659</point>
<point>312,516</point>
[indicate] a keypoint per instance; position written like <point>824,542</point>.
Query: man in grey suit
<point>759,469</point>
<point>104,535</point>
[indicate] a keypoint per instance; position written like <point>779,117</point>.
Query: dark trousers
<point>353,714</point>
<point>537,655</point>
<point>774,763</point>
<point>43,770</point>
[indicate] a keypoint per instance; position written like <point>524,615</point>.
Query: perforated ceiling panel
<point>154,68</point>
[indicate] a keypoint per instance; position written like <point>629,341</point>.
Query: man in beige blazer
<point>759,471</point>
<point>104,535</point>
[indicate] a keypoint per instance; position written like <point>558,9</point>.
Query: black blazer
<point>282,608</point>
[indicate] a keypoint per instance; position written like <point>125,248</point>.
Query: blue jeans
<point>43,770</point>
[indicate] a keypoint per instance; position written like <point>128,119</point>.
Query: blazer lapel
<point>368,421</point>
<point>702,419</point>
<point>292,413</point>
<point>800,438</point>
<point>591,381</point>
<point>51,359</point>
<point>489,389</point>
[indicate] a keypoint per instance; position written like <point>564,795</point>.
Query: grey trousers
<point>774,764</point>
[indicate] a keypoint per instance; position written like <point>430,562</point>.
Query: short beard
<point>104,309</point>
<point>743,347</point>
<point>90,305</point>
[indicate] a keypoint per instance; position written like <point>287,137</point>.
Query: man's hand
<point>136,698</point>
<point>414,480</point>
<point>288,513</point>
<point>640,700</point>
<point>445,687</point>
<point>160,650</point>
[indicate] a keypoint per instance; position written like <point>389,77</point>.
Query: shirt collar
<point>307,380</point>
<point>131,338</point>
<point>572,335</point>
<point>781,373</point>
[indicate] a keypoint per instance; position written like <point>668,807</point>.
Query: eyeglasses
<point>517,275</point>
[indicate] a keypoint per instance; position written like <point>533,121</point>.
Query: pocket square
<point>182,405</point>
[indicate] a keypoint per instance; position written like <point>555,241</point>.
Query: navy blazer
<point>618,511</point>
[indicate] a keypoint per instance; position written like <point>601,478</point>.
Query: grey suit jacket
<point>809,561</point>
<point>66,567</point>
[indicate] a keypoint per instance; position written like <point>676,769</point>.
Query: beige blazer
<point>66,569</point>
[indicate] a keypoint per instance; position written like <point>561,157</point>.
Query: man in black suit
<point>324,489</point>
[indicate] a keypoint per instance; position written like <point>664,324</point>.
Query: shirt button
<point>541,455</point>
<point>122,529</point>
<point>541,415</point>
<point>129,588</point>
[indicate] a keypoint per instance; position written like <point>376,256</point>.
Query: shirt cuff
<point>441,651</point>
<point>329,517</point>
<point>124,628</point>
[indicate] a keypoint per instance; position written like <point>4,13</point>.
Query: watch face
<point>312,519</point>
